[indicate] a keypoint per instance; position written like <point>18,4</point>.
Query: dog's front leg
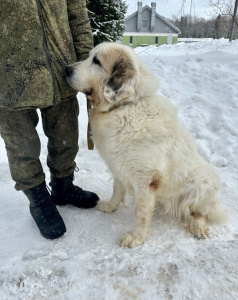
<point>145,203</point>
<point>117,197</point>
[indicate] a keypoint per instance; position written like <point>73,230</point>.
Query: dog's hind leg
<point>118,196</point>
<point>197,226</point>
<point>206,209</point>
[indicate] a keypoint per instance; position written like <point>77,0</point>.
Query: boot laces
<point>44,202</point>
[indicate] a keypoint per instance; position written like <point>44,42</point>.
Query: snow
<point>88,263</point>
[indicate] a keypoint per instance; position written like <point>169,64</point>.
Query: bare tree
<point>225,24</point>
<point>226,8</point>
<point>190,3</point>
<point>233,20</point>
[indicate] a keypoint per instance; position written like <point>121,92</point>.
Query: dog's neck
<point>117,106</point>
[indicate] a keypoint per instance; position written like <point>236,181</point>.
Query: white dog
<point>137,133</point>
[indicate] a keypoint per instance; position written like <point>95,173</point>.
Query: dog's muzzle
<point>69,71</point>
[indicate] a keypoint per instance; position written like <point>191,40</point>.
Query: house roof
<point>157,15</point>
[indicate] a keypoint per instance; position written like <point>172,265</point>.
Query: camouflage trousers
<point>18,129</point>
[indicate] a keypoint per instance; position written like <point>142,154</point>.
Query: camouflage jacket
<point>38,39</point>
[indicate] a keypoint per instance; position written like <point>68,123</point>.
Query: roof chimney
<point>139,15</point>
<point>152,18</point>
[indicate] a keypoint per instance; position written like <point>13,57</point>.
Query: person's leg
<point>18,129</point>
<point>60,125</point>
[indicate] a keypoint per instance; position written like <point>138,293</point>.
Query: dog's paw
<point>197,226</point>
<point>105,206</point>
<point>128,240</point>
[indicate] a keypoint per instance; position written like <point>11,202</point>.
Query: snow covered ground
<point>201,79</point>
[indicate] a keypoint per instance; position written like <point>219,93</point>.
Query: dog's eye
<point>96,61</point>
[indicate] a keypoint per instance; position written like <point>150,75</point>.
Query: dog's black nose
<point>69,71</point>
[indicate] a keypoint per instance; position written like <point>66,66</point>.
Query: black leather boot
<point>44,212</point>
<point>65,192</point>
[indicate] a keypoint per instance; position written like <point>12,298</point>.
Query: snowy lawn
<point>201,79</point>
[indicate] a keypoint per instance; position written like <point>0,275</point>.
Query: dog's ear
<point>120,85</point>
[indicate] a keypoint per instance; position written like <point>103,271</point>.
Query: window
<point>131,40</point>
<point>156,40</point>
<point>144,23</point>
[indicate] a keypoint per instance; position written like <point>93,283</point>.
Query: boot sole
<point>91,206</point>
<point>64,204</point>
<point>50,237</point>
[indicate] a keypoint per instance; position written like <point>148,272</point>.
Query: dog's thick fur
<point>137,133</point>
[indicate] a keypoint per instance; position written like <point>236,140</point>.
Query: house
<point>146,27</point>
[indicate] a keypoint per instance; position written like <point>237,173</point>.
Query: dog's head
<point>111,75</point>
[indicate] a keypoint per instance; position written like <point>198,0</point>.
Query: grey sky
<point>167,8</point>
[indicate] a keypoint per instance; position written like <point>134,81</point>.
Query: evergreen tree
<point>182,27</point>
<point>107,18</point>
<point>186,34</point>
<point>217,27</point>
